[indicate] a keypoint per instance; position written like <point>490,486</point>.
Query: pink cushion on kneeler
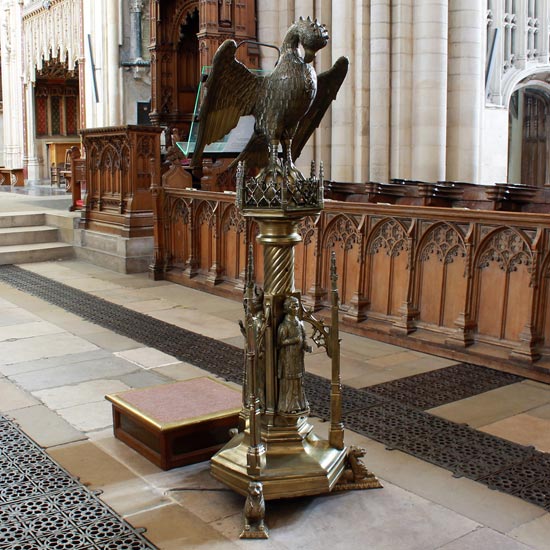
<point>183,401</point>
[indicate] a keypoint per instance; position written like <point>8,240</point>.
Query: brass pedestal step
<point>295,465</point>
<point>178,423</point>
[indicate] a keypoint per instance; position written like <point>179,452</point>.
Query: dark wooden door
<point>536,141</point>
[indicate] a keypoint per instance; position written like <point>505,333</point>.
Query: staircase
<point>25,238</point>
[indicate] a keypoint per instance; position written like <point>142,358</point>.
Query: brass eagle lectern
<point>276,453</point>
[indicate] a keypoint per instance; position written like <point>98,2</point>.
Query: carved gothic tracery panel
<point>344,231</point>
<point>234,220</point>
<point>445,242</point>
<point>306,229</point>
<point>390,236</point>
<point>508,249</point>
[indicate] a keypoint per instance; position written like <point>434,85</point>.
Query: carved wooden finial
<point>333,272</point>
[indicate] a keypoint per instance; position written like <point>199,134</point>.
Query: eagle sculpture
<point>287,104</point>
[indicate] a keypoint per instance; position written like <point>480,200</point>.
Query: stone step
<point>40,252</point>
<point>27,235</point>
<point>22,219</point>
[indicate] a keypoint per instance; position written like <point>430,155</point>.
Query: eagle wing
<point>328,84</point>
<point>231,92</point>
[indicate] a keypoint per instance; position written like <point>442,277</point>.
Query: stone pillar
<point>112,84</point>
<point>515,139</point>
<point>380,97</point>
<point>343,108</point>
<point>136,9</point>
<point>401,80</point>
<point>95,108</point>
<point>305,8</point>
<point>465,89</point>
<point>429,113</point>
<point>11,84</point>
<point>268,31</point>
<point>323,62</point>
<point>33,164</point>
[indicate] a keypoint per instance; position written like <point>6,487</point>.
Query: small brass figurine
<point>288,104</point>
<point>254,513</point>
<point>356,475</point>
<point>291,341</point>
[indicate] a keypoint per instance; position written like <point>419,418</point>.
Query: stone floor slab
<point>95,468</point>
<point>16,315</point>
<point>494,509</point>
<point>495,405</point>
<point>89,416</point>
<point>12,397</point>
<point>197,491</point>
<point>524,429</point>
<point>485,539</point>
<point>79,394</point>
<point>132,460</point>
<point>321,365</point>
<point>68,374</point>
<point>148,306</point>
<point>28,330</point>
<point>535,533</point>
<point>172,527</point>
<point>39,347</point>
<point>370,517</point>
<point>541,412</point>
<point>147,358</point>
<point>45,427</point>
<point>205,324</point>
<point>143,379</point>
<point>50,362</point>
<point>181,371</point>
<point>111,341</point>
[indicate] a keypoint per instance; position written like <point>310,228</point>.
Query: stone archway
<point>529,132</point>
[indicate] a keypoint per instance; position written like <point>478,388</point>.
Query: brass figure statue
<point>291,343</point>
<point>287,105</point>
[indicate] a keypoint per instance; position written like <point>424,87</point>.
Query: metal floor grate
<point>42,507</point>
<point>441,386</point>
<point>499,464</point>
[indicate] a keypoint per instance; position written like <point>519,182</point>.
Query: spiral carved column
<point>278,239</point>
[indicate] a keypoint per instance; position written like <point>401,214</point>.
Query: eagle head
<point>312,35</point>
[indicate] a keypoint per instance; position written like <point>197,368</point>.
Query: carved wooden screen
<point>188,62</point>
<point>304,255</point>
<point>441,283</point>
<point>462,277</point>
<point>233,243</point>
<point>56,100</point>
<point>386,268</point>
<point>502,282</point>
<point>185,34</point>
<point>342,235</point>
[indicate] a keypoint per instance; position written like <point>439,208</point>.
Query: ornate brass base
<point>294,466</point>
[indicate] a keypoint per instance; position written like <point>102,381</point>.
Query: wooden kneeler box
<point>178,423</point>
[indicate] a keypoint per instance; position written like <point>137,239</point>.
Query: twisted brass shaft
<point>278,269</point>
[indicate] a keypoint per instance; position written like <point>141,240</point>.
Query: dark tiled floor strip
<point>42,507</point>
<point>441,386</point>
<point>499,464</point>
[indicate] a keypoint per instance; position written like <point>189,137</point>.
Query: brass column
<point>293,460</point>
